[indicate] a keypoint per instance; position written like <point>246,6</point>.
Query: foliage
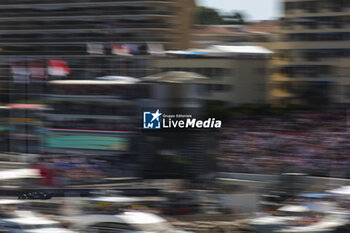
<point>234,18</point>
<point>210,16</point>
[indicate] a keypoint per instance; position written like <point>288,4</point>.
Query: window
<point>219,87</point>
<point>334,36</point>
<point>290,6</point>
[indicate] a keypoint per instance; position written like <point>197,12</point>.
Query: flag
<point>121,50</point>
<point>134,49</point>
<point>37,70</point>
<point>20,72</point>
<point>155,48</point>
<point>58,68</point>
<point>95,48</point>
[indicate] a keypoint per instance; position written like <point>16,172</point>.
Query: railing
<point>79,12</point>
<point>20,2</point>
<point>84,38</point>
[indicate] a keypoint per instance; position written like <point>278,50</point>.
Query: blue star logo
<point>151,120</point>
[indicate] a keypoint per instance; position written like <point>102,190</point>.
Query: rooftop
<point>222,50</point>
<point>266,26</point>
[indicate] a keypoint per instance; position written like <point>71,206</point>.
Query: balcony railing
<point>80,12</point>
<point>35,2</point>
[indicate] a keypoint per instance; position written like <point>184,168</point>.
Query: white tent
<point>240,49</point>
<point>344,190</point>
<point>19,174</point>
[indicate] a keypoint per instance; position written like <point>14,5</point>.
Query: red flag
<point>58,68</point>
<point>121,50</point>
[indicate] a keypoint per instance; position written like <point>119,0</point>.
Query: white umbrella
<point>294,208</point>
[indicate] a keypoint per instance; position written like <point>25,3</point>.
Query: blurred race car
<point>36,196</point>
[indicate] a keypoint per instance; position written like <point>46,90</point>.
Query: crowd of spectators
<point>312,143</point>
<point>62,171</point>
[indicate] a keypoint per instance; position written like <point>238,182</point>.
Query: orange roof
<point>267,26</point>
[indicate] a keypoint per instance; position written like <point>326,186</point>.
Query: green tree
<point>234,18</point>
<point>208,16</point>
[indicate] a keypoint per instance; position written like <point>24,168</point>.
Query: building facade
<point>95,117</point>
<point>343,78</point>
<point>237,75</point>
<point>315,34</point>
<point>41,41</point>
<point>92,38</point>
<point>64,27</point>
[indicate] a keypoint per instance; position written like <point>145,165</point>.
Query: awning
<point>294,208</point>
<point>187,53</point>
<point>93,82</point>
<point>316,195</point>
<point>175,77</point>
<point>240,49</point>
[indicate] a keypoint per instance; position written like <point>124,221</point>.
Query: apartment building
<point>94,38</point>
<point>46,40</point>
<point>315,34</point>
<point>236,74</point>
<point>343,80</point>
<point>65,26</point>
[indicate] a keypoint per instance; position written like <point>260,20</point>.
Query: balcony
<point>36,2</point>
<point>315,6</point>
<point>87,37</point>
<point>315,44</point>
<point>310,72</point>
<point>80,12</point>
<point>88,18</point>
